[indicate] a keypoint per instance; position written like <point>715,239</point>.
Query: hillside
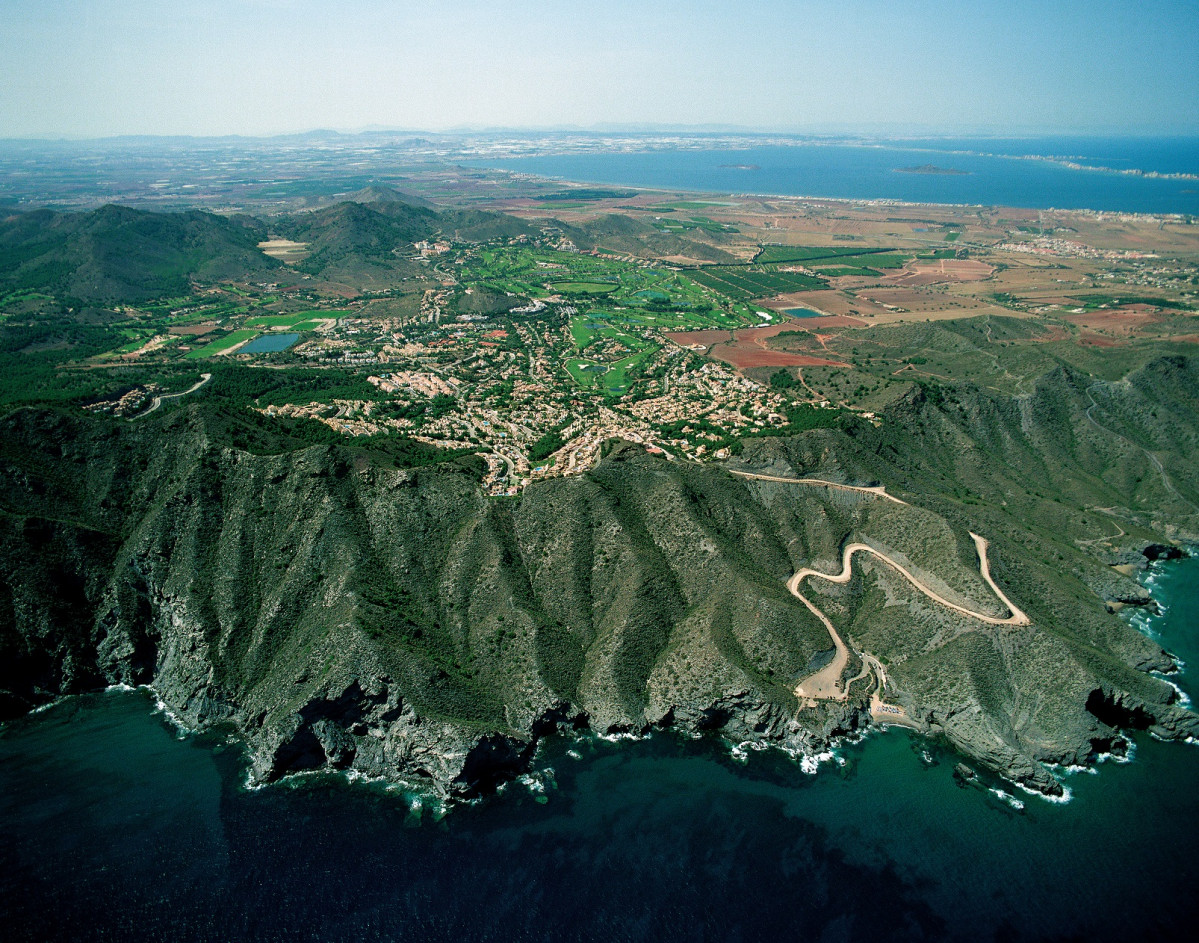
<point>343,611</point>
<point>621,233</point>
<point>378,233</point>
<point>116,255</point>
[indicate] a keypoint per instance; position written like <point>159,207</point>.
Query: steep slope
<point>341,611</point>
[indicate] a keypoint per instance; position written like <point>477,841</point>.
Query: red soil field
<point>1127,319</point>
<point>1091,339</point>
<point>705,338</point>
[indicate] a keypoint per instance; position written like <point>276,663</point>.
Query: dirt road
<point>877,490</point>
<point>826,683</point>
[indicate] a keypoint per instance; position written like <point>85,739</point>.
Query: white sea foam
<point>574,754</point>
<point>627,735</point>
<point>48,705</point>
<point>1066,796</point>
<point>1007,797</point>
<point>532,783</point>
<point>811,762</point>
<point>1130,750</point>
<point>1184,699</point>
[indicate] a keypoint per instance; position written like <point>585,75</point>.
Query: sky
<point>90,68</point>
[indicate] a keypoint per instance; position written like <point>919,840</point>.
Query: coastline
<point>1109,181</point>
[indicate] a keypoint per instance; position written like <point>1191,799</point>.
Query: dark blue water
<point>113,827</point>
<point>869,172</point>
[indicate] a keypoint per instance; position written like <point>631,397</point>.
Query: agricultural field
<point>293,321</point>
<point>745,283</point>
<point>703,223</point>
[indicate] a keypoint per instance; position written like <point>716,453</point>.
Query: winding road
<point>826,684</point>
<point>157,401</point>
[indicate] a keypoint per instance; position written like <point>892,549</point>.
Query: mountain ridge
<point>342,612</point>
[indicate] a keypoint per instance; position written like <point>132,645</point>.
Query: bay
<point>992,174</point>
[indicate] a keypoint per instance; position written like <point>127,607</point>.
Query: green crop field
<point>838,271</point>
<point>802,254</point>
<point>292,320</point>
<point>742,284</point>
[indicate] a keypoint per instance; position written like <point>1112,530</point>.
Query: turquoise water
<point>866,173</point>
<point>802,313</point>
<point>112,826</point>
<point>1175,587</point>
<point>269,343</point>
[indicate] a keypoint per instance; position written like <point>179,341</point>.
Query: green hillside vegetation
<point>120,255</point>
<point>252,568</point>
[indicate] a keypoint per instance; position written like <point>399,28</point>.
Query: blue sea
<point>993,174</point>
<point>115,826</point>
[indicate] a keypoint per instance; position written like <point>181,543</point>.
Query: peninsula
<point>401,479</point>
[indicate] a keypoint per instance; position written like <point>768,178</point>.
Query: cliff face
<point>342,612</point>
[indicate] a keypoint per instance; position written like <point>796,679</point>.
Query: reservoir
<point>269,343</point>
<point>113,825</point>
<point>802,313</point>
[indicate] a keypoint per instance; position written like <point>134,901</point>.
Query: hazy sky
<point>99,67</point>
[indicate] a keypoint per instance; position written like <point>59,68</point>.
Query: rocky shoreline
<point>369,731</point>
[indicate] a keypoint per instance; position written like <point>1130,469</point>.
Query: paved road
<point>157,401</point>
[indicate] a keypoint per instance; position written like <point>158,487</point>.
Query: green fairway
<point>221,345</point>
<point>584,372</point>
<point>584,288</point>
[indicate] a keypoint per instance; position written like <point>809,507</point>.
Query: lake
<point>115,826</point>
